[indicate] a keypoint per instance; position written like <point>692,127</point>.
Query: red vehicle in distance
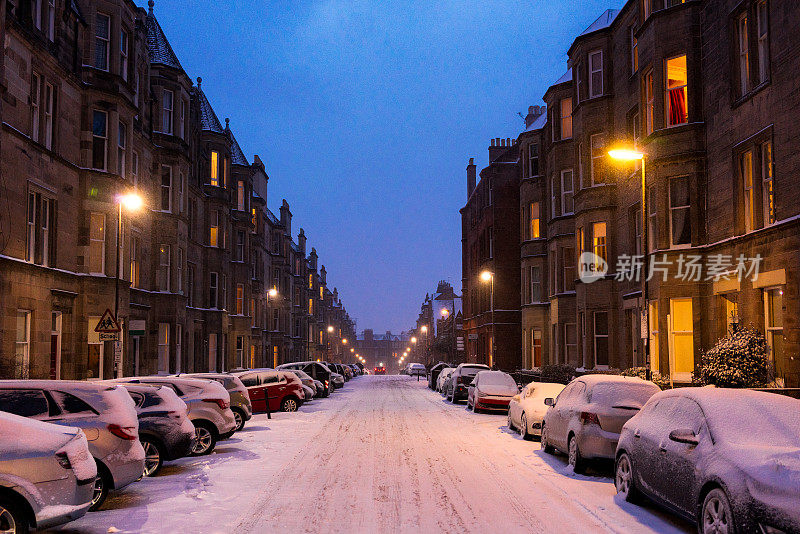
<point>283,389</point>
<point>380,370</point>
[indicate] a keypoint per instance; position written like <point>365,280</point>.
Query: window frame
<point>105,42</point>
<point>592,71</point>
<point>124,48</point>
<point>100,242</point>
<point>49,113</point>
<point>686,207</point>
<point>167,118</point>
<point>567,194</point>
<point>565,119</point>
<point>122,148</point>
<point>166,189</point>
<point>667,103</point>
<point>98,138</point>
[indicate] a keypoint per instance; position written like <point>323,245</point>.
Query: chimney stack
<point>286,217</point>
<point>498,147</point>
<point>534,112</point>
<point>471,177</point>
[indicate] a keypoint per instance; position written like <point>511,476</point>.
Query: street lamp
<point>424,329</point>
<point>271,294</point>
<point>330,329</point>
<point>132,202</point>
<point>344,341</point>
<point>631,154</point>
<point>488,276</point>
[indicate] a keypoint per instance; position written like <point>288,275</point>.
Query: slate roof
<point>271,216</point>
<point>602,22</point>
<point>208,119</point>
<point>566,77</point>
<point>237,156</point>
<point>158,47</point>
<point>538,123</point>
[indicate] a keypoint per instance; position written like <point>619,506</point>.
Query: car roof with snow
<point>72,385</point>
<point>594,379</point>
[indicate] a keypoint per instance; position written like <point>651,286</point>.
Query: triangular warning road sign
<point>108,324</point>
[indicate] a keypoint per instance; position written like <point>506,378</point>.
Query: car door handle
<point>662,447</point>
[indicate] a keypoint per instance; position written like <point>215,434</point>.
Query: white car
<point>416,369</point>
<point>527,409</point>
<point>442,378</point>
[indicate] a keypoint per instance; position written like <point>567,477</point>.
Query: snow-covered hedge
<point>641,372</point>
<point>560,373</point>
<point>739,360</point>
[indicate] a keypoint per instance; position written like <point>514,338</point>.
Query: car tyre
<point>238,415</point>
<point>523,428</point>
<point>12,517</point>
<point>102,483</point>
<point>510,423</point>
<point>153,456</point>
<point>716,515</point>
<point>205,439</point>
<point>546,447</point>
<point>574,453</point>
<point>289,404</point>
<point>624,479</point>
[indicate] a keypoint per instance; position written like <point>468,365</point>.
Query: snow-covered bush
<point>560,373</point>
<point>641,372</point>
<point>739,360</point>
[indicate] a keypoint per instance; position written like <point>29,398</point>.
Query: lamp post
<point>628,154</point>
<point>132,202</point>
<point>271,294</point>
<point>488,276</point>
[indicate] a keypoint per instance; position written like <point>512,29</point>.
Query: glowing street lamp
<point>352,350</point>
<point>488,276</point>
<point>424,329</point>
<point>272,293</point>
<point>631,154</point>
<point>413,340</point>
<point>132,202</point>
<point>330,329</point>
<point>344,341</point>
<point>445,312</point>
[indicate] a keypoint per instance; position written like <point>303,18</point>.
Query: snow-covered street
<point>384,454</point>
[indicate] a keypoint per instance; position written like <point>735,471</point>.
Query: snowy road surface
<point>383,454</point>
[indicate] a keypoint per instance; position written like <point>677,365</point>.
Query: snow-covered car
<point>46,474</point>
<point>433,374</point>
<point>165,430</point>
<point>526,410</point>
<point>585,420</point>
<point>460,379</point>
<point>240,402</point>
<point>308,383</point>
<point>728,459</point>
<point>105,413</point>
<point>272,390</point>
<point>209,405</point>
<point>442,377</point>
<point>317,371</point>
<point>491,390</point>
<point>416,369</point>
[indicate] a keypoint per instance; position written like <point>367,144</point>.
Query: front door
<point>681,334</point>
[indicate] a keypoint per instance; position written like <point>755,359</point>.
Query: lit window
<point>773,315</point>
<point>566,118</point>
<point>746,168</point>
<point>240,195</point>
<point>239,299</point>
<point>134,262</point>
<point>213,234</point>
<point>599,242</point>
<point>766,176</point>
<point>534,221</point>
<point>649,100</point>
<point>214,168</point>
<point>676,91</point>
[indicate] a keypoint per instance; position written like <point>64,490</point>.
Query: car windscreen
<point>768,420</point>
<point>497,379</point>
<point>623,395</point>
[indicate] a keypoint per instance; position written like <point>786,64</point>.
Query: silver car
<point>209,408</point>
<point>105,413</point>
<point>46,474</point>
<point>240,401</point>
<point>586,418</point>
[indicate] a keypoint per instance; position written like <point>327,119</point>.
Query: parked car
<point>319,389</point>
<point>165,430</point>
<point>240,401</point>
<point>491,390</point>
<point>526,410</point>
<point>105,413</point>
<point>727,459</point>
<point>356,369</point>
<point>280,390</point>
<point>209,407</point>
<point>345,371</point>
<point>46,474</point>
<point>460,379</point>
<point>316,370</point>
<point>443,377</point>
<point>585,420</point>
<point>417,369</point>
<point>380,370</point>
<point>433,374</point>
<point>337,379</point>
<point>308,383</point>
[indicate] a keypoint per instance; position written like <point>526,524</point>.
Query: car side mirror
<point>549,401</point>
<point>684,435</point>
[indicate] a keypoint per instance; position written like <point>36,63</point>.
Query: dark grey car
<point>240,400</point>
<point>728,459</point>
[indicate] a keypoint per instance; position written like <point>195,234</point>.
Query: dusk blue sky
<point>365,114</point>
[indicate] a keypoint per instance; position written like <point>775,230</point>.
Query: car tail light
<point>122,433</point>
<point>63,460</point>
<point>588,418</point>
<point>222,403</point>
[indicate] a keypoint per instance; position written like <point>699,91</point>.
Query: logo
<point>591,267</point>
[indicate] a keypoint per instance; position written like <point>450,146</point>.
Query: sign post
<point>108,329</point>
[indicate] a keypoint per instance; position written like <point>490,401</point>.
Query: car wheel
<point>289,404</point>
<point>523,428</point>
<point>239,417</point>
<point>510,423</point>
<point>153,457</point>
<point>575,460</point>
<point>205,439</point>
<point>12,518</point>
<point>716,516</point>
<point>624,480</point>
<point>101,485</point>
<point>546,447</point>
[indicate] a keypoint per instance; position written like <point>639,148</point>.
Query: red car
<point>491,390</point>
<point>380,370</point>
<point>283,389</point>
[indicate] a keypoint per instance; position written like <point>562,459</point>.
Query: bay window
<point>676,93</point>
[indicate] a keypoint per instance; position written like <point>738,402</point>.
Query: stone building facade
<point>706,90</point>
<point>490,243</point>
<point>95,104</point>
